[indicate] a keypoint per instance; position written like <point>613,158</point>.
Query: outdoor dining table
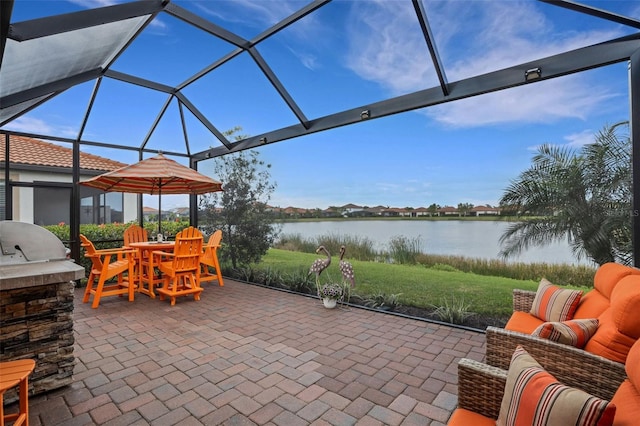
<point>148,276</point>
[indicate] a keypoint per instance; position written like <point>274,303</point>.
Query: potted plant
<point>330,294</point>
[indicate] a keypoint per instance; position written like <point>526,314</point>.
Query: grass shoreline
<point>420,289</point>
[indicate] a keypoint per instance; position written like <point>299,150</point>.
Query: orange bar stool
<point>14,373</point>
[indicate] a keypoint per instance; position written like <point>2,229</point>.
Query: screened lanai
<point>189,71</point>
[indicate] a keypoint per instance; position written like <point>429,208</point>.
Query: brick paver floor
<point>248,355</point>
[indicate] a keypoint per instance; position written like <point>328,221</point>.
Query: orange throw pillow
<point>573,332</point>
<point>532,396</point>
<point>553,303</point>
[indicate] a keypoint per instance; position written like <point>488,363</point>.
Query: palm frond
<point>584,197</point>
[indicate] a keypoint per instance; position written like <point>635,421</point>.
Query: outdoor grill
<point>36,303</point>
<point>23,242</point>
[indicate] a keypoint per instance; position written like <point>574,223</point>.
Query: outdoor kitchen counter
<point>32,274</point>
<point>37,284</point>
<point>36,320</point>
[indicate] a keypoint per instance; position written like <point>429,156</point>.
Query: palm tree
<point>582,196</point>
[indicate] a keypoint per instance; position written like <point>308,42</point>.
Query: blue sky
<point>348,54</point>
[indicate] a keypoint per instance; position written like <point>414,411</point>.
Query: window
<point>100,207</point>
<point>51,206</point>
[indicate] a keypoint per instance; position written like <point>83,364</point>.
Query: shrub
<point>299,281</point>
<point>109,235</point>
<point>360,248</point>
<point>404,250</point>
<point>444,267</point>
<point>454,311</point>
<point>382,300</point>
<point>563,274</point>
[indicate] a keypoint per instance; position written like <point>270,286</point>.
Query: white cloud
<point>578,140</point>
<point>255,13</point>
<point>35,125</point>
<point>544,102</point>
<point>29,125</point>
<point>574,141</point>
<point>158,25</point>
<point>381,49</point>
<point>307,59</point>
<point>387,48</point>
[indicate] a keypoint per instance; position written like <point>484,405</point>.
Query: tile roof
<point>34,152</point>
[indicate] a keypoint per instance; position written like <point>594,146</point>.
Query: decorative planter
<point>329,303</point>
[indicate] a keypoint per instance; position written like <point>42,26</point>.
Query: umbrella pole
<point>160,209</point>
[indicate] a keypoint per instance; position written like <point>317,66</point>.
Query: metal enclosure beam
<point>205,122</point>
<point>594,11</point>
<point>275,82</point>
<point>142,82</point>
<point>49,88</point>
<point>295,17</point>
<point>574,61</point>
<point>207,26</point>
<point>433,51</point>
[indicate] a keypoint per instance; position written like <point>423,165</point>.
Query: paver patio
<point>246,355</point>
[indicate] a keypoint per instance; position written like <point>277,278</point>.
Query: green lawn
<point>419,286</point>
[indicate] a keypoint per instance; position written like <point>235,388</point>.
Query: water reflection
<point>477,239</point>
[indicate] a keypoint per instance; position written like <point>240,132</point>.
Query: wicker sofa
<point>481,389</point>
<point>614,301</point>
<point>592,303</point>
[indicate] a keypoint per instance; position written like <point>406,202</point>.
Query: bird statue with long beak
<point>320,265</point>
<point>346,268</point>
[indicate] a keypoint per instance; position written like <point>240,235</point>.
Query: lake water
<point>477,239</point>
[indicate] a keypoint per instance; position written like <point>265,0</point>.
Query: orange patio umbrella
<point>156,175</point>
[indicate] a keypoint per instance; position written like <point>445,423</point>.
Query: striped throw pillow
<point>575,332</point>
<point>534,397</point>
<point>553,303</point>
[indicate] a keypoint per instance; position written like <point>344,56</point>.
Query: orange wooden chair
<point>209,259</point>
<point>105,265</point>
<point>12,374</point>
<point>137,234</point>
<point>181,269</point>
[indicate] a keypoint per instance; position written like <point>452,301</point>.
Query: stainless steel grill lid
<point>25,242</point>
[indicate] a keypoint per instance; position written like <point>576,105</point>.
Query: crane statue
<point>346,269</point>
<point>320,265</point>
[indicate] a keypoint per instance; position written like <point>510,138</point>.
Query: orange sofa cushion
<point>625,305</point>
<point>620,324</point>
<point>523,322</point>
<point>592,304</point>
<point>627,397</point>
<point>627,402</point>
<point>595,301</point>
<point>462,417</point>
<point>632,367</point>
<point>609,274</point>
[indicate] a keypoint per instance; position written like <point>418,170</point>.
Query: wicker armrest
<point>523,300</point>
<point>573,367</point>
<point>480,387</point>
